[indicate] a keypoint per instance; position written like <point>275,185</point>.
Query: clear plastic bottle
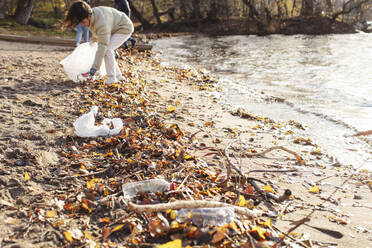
<point>207,216</point>
<point>130,190</point>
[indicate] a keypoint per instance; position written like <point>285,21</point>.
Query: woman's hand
<point>90,74</point>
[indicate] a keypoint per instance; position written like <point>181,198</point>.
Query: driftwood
<point>365,133</point>
<point>250,154</point>
<point>192,204</point>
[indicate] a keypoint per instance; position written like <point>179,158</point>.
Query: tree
<point>2,9</point>
<point>23,11</point>
<point>156,11</point>
<point>145,24</point>
<point>307,8</point>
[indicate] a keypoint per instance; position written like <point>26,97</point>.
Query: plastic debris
<point>130,190</point>
<point>207,216</point>
<point>84,125</point>
<point>80,61</point>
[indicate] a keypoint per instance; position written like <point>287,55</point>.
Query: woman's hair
<point>78,11</point>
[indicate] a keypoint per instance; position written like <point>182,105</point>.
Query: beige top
<point>105,22</point>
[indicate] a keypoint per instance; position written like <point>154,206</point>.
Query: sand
<point>38,108</point>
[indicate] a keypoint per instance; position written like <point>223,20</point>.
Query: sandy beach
<point>44,166</point>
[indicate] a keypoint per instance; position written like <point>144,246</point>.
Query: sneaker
<point>125,45</point>
<point>111,80</point>
<point>133,41</point>
<point>120,78</point>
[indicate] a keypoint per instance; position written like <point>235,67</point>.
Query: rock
<point>16,192</point>
<point>358,197</point>
<point>20,162</point>
<point>13,183</point>
<point>32,103</point>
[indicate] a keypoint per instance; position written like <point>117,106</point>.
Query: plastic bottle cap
<point>172,186</point>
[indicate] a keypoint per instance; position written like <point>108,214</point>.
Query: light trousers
<point>112,68</point>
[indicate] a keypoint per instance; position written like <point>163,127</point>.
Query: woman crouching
<point>110,27</point>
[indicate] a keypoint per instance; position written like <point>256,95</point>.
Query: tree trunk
<point>2,9</point>
<point>156,11</point>
<point>138,16</point>
<point>196,13</point>
<point>23,11</point>
<point>307,7</point>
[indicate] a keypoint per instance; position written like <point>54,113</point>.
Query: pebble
<point>358,197</point>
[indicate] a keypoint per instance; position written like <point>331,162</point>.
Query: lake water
<point>325,82</point>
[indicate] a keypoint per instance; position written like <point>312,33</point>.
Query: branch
<point>365,133</point>
<point>191,204</point>
<point>347,11</point>
<point>298,157</point>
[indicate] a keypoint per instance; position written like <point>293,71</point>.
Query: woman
<point>110,27</point>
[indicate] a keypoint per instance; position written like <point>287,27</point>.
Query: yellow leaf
<point>88,235</point>
<point>268,223</point>
<point>186,157</point>
<point>294,234</point>
<point>27,176</point>
<point>171,108</point>
<point>29,113</point>
<point>117,228</point>
<point>50,214</point>
<point>242,201</point>
<point>173,214</point>
<point>172,244</point>
<point>268,188</point>
<point>92,183</point>
<point>259,231</point>
<point>68,236</point>
<point>314,190</point>
<point>85,206</point>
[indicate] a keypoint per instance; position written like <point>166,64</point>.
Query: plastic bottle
<point>207,216</point>
<point>130,190</point>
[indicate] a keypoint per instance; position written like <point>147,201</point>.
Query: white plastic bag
<point>80,61</point>
<point>84,125</point>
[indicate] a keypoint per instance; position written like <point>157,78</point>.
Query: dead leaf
<point>68,236</point>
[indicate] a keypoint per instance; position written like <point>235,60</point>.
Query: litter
<point>80,61</point>
<point>84,125</point>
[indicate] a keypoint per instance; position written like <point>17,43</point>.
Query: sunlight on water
<point>326,81</point>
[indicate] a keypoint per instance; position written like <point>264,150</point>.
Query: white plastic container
<point>207,216</point>
<point>130,190</point>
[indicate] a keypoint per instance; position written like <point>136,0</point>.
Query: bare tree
<point>2,9</point>
<point>23,11</point>
<point>156,11</point>
<point>307,7</point>
<point>145,24</point>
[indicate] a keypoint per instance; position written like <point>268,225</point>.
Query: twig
<point>250,154</point>
<point>316,182</point>
<point>365,133</point>
<point>229,160</point>
<point>273,171</point>
<point>180,187</point>
<point>85,175</point>
<point>285,208</point>
<point>191,204</point>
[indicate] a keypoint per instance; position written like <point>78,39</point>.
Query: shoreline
<point>314,121</point>
<point>37,127</point>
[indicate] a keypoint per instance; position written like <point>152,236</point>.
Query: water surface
<point>326,81</point>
